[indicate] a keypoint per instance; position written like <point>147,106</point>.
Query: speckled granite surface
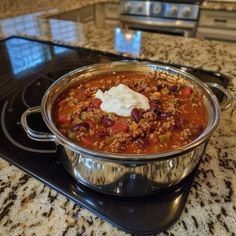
<point>19,7</point>
<point>10,8</point>
<point>30,208</point>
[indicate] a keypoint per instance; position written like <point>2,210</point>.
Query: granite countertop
<point>47,6</point>
<point>63,6</point>
<point>28,207</point>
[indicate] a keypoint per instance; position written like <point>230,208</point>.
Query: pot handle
<point>35,135</point>
<point>228,98</point>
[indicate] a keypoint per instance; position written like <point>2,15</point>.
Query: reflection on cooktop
<point>28,69</point>
<point>23,55</point>
<point>68,31</point>
<point>27,23</point>
<point>128,41</point>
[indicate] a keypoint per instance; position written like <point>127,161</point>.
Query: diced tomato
<point>64,118</point>
<point>96,103</point>
<point>118,127</point>
<point>87,141</point>
<point>62,103</point>
<point>90,122</point>
<point>186,92</point>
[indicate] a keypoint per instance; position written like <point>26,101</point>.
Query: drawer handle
<point>220,20</point>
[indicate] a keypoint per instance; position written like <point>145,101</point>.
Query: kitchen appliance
<point>28,69</point>
<point>112,172</point>
<point>171,17</point>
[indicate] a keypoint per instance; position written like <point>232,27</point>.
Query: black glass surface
<point>27,69</point>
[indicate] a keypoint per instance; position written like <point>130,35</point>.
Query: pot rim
<point>61,139</point>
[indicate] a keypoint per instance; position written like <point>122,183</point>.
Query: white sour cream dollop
<point>122,100</point>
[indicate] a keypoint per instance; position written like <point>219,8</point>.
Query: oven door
<point>159,25</point>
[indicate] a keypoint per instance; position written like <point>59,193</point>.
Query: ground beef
<point>177,114</point>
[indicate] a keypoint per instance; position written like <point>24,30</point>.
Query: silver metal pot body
<point>132,178</point>
<point>124,174</point>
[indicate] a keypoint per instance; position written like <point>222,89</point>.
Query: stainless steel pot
<point>125,174</point>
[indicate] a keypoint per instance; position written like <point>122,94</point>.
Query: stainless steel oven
<point>171,17</point>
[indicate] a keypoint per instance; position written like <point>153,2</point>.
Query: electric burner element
<point>23,86</point>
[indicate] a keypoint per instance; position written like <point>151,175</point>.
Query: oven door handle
<point>151,21</point>
<point>32,134</point>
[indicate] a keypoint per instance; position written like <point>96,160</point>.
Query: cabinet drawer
<point>111,23</point>
<point>82,15</point>
<point>218,19</point>
<point>86,14</point>
<point>112,10</point>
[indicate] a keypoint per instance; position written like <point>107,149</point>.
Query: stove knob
<point>127,7</point>
<point>187,11</point>
<point>156,9</point>
<point>139,8</point>
<point>174,10</point>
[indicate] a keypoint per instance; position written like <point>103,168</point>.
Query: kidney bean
<point>163,114</point>
<point>159,87</point>
<point>173,88</point>
<point>180,123</point>
<point>136,115</point>
<point>77,127</point>
<point>107,122</point>
<point>154,105</point>
<point>142,143</point>
<point>102,133</point>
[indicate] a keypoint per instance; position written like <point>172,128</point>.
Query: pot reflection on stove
<point>169,202</point>
<point>25,56</point>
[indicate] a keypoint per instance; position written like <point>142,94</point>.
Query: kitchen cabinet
<point>104,15</point>
<point>107,15</point>
<point>217,25</point>
<point>83,15</point>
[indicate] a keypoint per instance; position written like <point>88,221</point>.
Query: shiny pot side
<point>130,178</point>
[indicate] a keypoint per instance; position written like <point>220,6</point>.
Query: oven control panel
<point>141,8</point>
<point>174,10</point>
<point>188,11</point>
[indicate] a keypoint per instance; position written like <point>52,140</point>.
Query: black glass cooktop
<point>27,69</point>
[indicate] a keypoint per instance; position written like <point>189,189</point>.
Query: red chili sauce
<point>176,117</point>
